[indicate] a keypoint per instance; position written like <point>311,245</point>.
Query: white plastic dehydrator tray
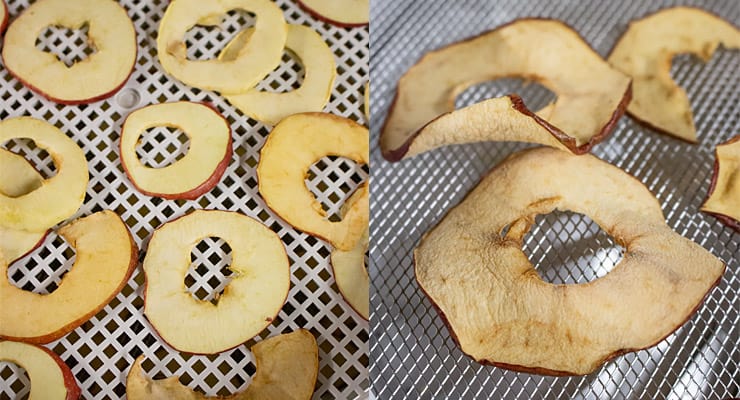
<point>101,351</point>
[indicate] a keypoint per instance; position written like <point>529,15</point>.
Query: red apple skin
<point>725,219</point>
<point>32,249</point>
<point>6,16</point>
<point>70,383</point>
<point>322,18</point>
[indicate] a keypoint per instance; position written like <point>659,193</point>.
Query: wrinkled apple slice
<point>472,267</point>
<point>723,199</point>
<point>201,168</point>
<point>295,144</point>
<point>645,52</point>
<point>100,75</point>
<point>287,367</point>
<point>320,71</point>
<point>106,257</point>
<point>344,13</point>
<point>59,196</point>
<point>257,292</point>
<point>591,94</point>
<point>350,272</point>
<point>51,378</point>
<point>260,55</point>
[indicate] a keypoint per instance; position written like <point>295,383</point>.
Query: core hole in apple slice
<point>16,383</point>
<point>206,40</point>
<point>535,95</point>
<point>333,179</point>
<point>70,46</point>
<point>161,146</point>
<point>42,270</point>
<point>209,273</point>
<point>286,77</point>
<point>36,156</point>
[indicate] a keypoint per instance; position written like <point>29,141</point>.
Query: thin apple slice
<point>51,378</point>
<point>645,52</point>
<point>344,13</point>
<point>201,168</point>
<point>260,55</point>
<point>249,303</point>
<point>723,198</point>
<point>303,139</point>
<point>591,94</point>
<point>4,17</point>
<point>106,257</point>
<point>313,94</point>
<point>97,77</point>
<point>499,309</point>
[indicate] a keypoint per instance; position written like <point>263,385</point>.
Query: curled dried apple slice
<point>194,174</point>
<point>723,198</point>
<point>257,292</point>
<point>313,94</point>
<point>98,76</point>
<point>344,13</point>
<point>645,52</point>
<point>499,309</point>
<point>260,55</point>
<point>51,378</point>
<point>350,272</point>
<point>295,144</point>
<point>591,94</point>
<point>106,257</point>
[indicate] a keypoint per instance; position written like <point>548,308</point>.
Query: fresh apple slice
<point>295,144</point>
<point>318,62</point>
<point>51,378</point>
<point>591,94</point>
<point>111,32</point>
<point>201,168</point>
<point>58,197</point>
<point>249,303</point>
<point>260,55</point>
<point>499,309</point>
<point>106,257</point>
<point>645,52</point>
<point>344,13</point>
<point>723,199</point>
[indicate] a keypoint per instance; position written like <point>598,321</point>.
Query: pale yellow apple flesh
<point>723,200</point>
<point>645,52</point>
<point>51,378</point>
<point>344,13</point>
<point>295,144</point>
<point>499,309</point>
<point>256,293</point>
<point>313,94</point>
<point>350,272</point>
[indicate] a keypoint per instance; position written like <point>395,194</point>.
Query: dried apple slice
<point>257,292</point>
<point>260,55</point>
<point>51,378</point>
<point>499,309</point>
<point>106,257</point>
<point>4,18</point>
<point>98,76</point>
<point>723,199</point>
<point>645,52</point>
<point>344,13</point>
<point>318,62</point>
<point>591,94</point>
<point>295,144</point>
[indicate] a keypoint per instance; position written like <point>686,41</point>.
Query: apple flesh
<point>723,198</point>
<point>51,378</point>
<point>343,13</point>
<point>4,17</point>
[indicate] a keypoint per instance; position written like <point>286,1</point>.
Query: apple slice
<point>260,55</point>
<point>51,378</point>
<point>111,32</point>
<point>4,17</point>
<point>287,367</point>
<point>723,198</point>
<point>472,267</point>
<point>201,168</point>
<point>249,303</point>
<point>318,62</point>
<point>645,52</point>
<point>344,13</point>
<point>106,257</point>
<point>295,144</point>
<point>591,94</point>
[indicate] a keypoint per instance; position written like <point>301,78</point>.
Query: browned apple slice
<point>111,33</point>
<point>344,13</point>
<point>295,144</point>
<point>591,94</point>
<point>201,168</point>
<point>106,257</point>
<point>51,378</point>
<point>723,198</point>
<point>645,52</point>
<point>255,295</point>
<point>472,267</point>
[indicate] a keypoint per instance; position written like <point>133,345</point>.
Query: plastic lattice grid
<point>102,349</point>
<point>413,355</point>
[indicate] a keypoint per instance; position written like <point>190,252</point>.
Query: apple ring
<point>248,304</point>
<point>304,139</point>
<point>343,13</point>
<point>318,62</point>
<point>201,168</point>
<point>5,15</point>
<point>256,59</point>
<point>723,198</point>
<point>95,78</point>
<point>51,378</point>
<point>501,312</point>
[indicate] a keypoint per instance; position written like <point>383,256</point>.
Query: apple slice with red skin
<point>723,198</point>
<point>645,52</point>
<point>5,16</point>
<point>343,13</point>
<point>51,378</point>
